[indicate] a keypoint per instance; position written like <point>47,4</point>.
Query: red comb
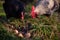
<point>22,17</point>
<point>32,12</point>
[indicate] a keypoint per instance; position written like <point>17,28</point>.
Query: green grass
<point>2,14</point>
<point>44,28</point>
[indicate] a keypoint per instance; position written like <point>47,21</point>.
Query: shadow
<point>58,10</point>
<point>3,19</point>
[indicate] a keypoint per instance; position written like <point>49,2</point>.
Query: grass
<point>43,28</point>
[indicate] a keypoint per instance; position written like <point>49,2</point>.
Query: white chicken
<point>46,6</point>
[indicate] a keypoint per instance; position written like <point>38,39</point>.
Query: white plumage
<point>46,6</point>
